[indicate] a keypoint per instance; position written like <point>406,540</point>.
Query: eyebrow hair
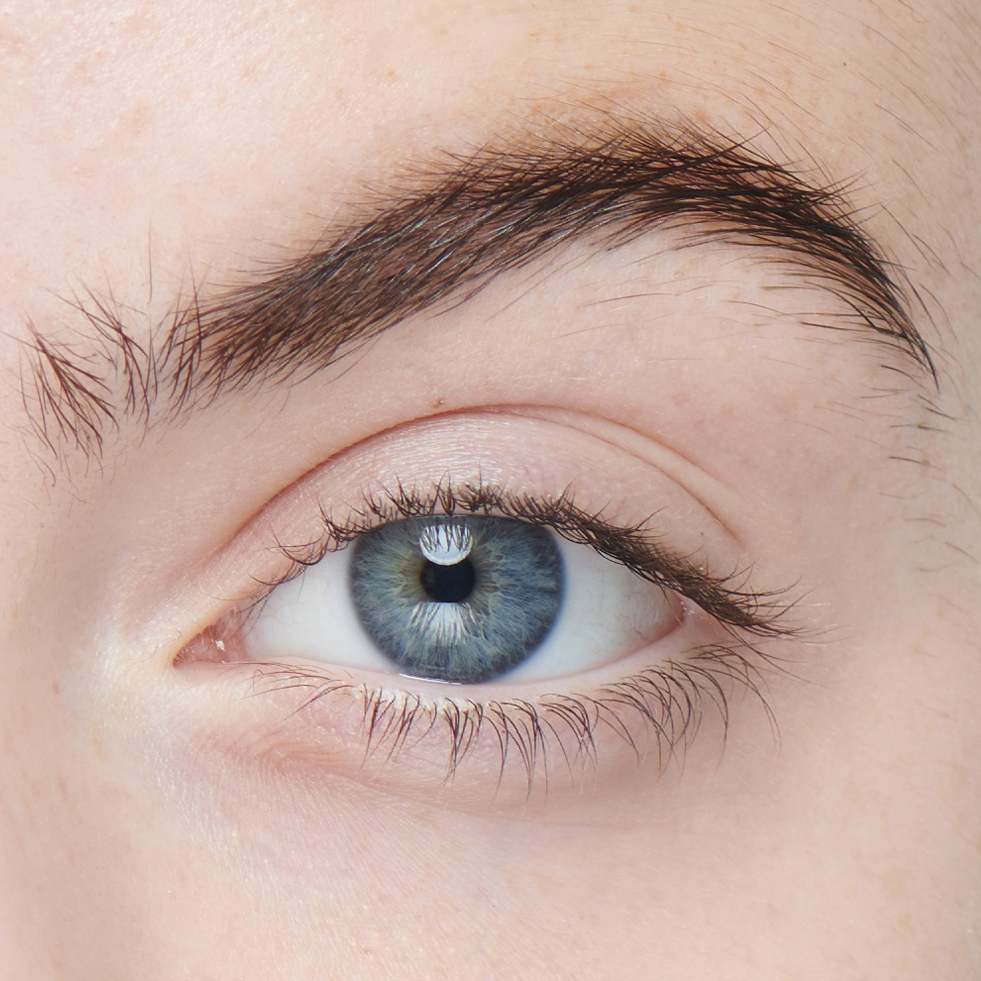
<point>445,231</point>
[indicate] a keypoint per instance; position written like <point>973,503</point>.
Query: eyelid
<point>631,709</point>
<point>509,750</point>
<point>499,445</point>
<point>693,671</point>
<point>550,447</point>
<point>721,501</point>
<point>727,599</point>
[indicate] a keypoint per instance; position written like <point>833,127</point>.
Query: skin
<point>156,824</point>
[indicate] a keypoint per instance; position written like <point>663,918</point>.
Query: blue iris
<point>461,599</point>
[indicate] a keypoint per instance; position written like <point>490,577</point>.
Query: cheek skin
<point>817,819</point>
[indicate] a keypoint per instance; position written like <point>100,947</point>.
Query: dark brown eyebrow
<point>445,231</point>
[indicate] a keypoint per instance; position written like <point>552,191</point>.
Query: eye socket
<point>465,599</point>
<point>656,626</point>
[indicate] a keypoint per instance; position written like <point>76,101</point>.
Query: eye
<point>465,599</point>
<point>434,612</point>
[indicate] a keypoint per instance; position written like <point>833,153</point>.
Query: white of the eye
<point>607,613</point>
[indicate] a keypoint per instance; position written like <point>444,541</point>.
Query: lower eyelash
<point>670,701</point>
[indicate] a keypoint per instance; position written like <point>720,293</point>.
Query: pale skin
<point>158,823</point>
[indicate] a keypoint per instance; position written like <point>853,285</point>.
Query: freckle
<point>896,881</point>
<point>136,121</point>
<point>904,924</point>
<point>55,688</point>
<point>791,403</point>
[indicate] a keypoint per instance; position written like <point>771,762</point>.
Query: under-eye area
<point>487,644</point>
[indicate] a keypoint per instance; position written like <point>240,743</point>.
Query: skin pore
<point>792,795</point>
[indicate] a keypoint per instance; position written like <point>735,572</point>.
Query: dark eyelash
<point>670,701</point>
<point>727,599</point>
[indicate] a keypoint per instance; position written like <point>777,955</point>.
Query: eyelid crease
<point>721,502</point>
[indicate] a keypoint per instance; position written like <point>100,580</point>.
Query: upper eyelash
<point>727,599</point>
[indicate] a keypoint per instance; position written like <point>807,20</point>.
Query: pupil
<point>448,583</point>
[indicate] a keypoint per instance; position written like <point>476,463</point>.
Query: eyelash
<point>670,700</point>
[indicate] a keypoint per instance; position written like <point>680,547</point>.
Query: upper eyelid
<point>247,558</point>
<point>721,501</point>
<point>358,487</point>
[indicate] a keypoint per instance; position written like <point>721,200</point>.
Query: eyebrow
<point>444,231</point>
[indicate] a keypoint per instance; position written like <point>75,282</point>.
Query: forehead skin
<point>196,139</point>
<point>153,117</point>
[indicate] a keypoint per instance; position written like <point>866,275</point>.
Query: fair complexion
<point>170,809</point>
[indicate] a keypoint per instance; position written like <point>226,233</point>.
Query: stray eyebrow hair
<point>443,232</point>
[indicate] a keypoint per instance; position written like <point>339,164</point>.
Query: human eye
<point>452,609</point>
<point>454,591</point>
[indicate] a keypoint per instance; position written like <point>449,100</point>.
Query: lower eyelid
<point>479,746</point>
